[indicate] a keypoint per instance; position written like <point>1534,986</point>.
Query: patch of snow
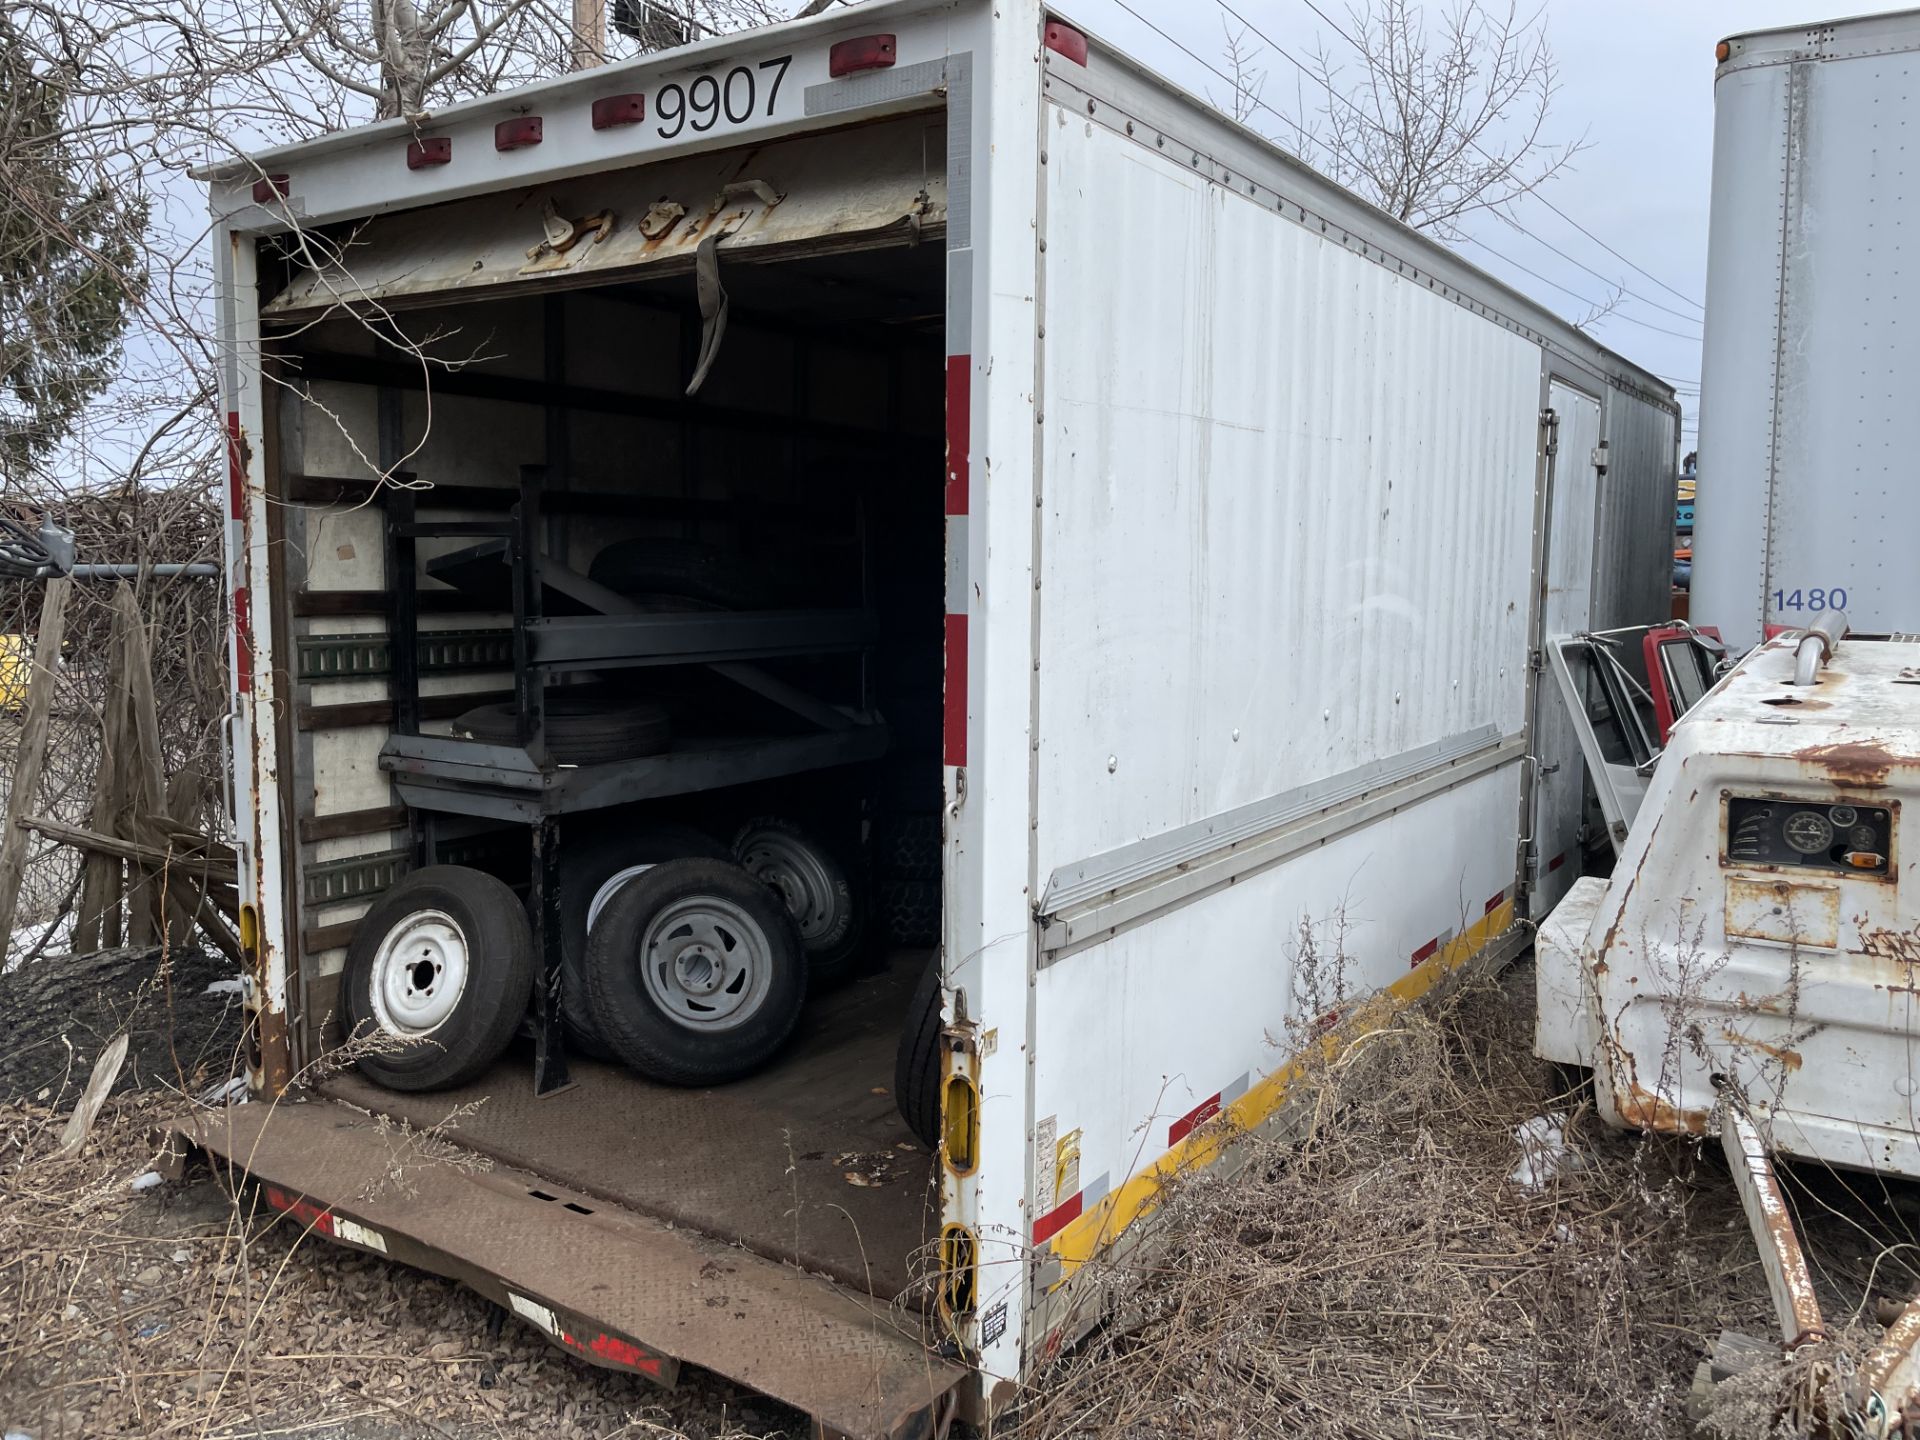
<point>232,1091</point>
<point>235,986</point>
<point>1544,1152</point>
<point>57,933</point>
<point>145,1181</point>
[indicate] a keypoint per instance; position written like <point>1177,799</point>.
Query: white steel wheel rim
<point>608,889</point>
<point>799,875</point>
<point>419,973</point>
<point>707,965</point>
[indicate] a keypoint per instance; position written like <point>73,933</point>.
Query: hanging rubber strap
<point>713,307</point>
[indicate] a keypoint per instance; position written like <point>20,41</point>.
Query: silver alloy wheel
<point>797,872</point>
<point>420,973</point>
<point>706,963</point>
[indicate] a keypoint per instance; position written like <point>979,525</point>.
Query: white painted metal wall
<point>1286,506</point>
<point>1285,532</point>
<point>1807,420</point>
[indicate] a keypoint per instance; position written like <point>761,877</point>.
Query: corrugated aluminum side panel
<point>1740,351</point>
<point>1807,426</point>
<point>1632,582</point>
<point>1285,531</point>
<point>1286,507</point>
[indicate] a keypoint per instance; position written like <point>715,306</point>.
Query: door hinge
<point>1550,423</point>
<point>1536,660</point>
<point>1599,457</point>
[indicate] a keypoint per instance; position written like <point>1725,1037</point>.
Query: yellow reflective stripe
<point>1083,1237</point>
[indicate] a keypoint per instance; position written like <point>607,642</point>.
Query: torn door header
<point>863,187</point>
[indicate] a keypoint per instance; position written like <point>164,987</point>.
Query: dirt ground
<point>1380,1273</point>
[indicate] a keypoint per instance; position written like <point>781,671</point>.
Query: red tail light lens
<point>517,134</point>
<point>269,188</point>
<point>435,151</point>
<point>612,110</point>
<point>869,52</point>
<point>1064,40</point>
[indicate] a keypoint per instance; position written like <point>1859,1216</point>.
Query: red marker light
<point>612,110</point>
<point>436,151</point>
<point>517,134</point>
<point>1063,39</point>
<point>269,188</point>
<point>869,52</point>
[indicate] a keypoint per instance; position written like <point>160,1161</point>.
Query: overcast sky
<point>1636,76</point>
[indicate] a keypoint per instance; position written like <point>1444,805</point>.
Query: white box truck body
<point>1812,333</point>
<point>1253,510</point>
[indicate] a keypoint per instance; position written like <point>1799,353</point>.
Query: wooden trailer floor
<point>764,1162</point>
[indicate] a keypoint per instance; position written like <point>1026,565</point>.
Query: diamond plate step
<point>615,1288</point>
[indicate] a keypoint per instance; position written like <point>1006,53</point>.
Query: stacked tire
<point>907,857</point>
<point>695,972</point>
<point>685,959</point>
<point>580,729</point>
<point>437,979</point>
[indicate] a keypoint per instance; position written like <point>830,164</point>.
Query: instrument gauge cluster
<point>1809,834</point>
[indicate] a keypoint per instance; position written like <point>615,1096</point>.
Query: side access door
<point>1566,605</point>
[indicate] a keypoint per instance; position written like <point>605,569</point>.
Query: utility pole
<point>589,33</point>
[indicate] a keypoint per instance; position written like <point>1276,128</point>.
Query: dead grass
<point>177,1311</point>
<point>1377,1273</point>
<point>1380,1273</point>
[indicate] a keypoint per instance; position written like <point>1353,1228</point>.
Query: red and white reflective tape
<point>242,597</point>
<point>605,1346</point>
<point>1070,1209</point>
<point>236,470</point>
<point>953,723</point>
<point>1192,1120</point>
<point>318,1218</point>
<point>314,1217</point>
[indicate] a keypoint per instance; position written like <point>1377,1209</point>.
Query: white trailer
<point>1806,426</point>
<point>1254,509</point>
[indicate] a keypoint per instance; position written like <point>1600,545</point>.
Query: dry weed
<point>1379,1272</point>
<point>181,1311</point>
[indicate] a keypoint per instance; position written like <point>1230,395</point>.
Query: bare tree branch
<point>1432,122</point>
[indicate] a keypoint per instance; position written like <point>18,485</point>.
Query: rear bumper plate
<point>616,1288</point>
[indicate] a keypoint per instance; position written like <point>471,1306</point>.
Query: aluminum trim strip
<point>1102,874</point>
<point>1064,930</point>
<point>857,92</point>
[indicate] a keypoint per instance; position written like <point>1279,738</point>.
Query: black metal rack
<point>446,776</point>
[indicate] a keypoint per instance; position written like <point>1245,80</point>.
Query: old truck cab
<point>1757,939</point>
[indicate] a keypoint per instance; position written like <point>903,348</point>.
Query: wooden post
<point>32,755</point>
<point>145,784</point>
<point>102,887</point>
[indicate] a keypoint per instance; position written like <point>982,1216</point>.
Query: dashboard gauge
<point>1864,837</point>
<point>1808,831</point>
<point>1843,815</point>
